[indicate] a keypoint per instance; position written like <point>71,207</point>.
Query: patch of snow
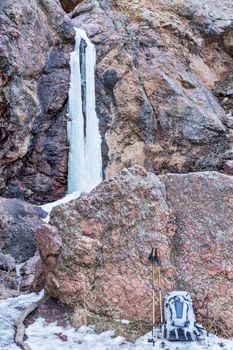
<point>49,206</point>
<point>17,270</point>
<point>213,343</point>
<point>125,321</point>
<point>44,336</point>
<point>49,336</point>
<point>9,311</point>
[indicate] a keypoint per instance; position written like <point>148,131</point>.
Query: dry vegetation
<point>130,331</point>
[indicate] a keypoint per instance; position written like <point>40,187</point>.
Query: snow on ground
<point>9,311</point>
<point>49,206</point>
<point>43,336</point>
<point>48,336</point>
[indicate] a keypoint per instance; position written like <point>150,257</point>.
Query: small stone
<point>228,167</point>
<point>61,336</point>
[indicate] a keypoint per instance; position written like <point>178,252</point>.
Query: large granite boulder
<point>95,249</point>
<point>18,224</point>
<point>35,44</point>
<point>157,66</point>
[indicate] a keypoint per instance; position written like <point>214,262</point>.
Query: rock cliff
<point>36,41</point>
<point>163,88</point>
<point>18,223</point>
<point>158,66</point>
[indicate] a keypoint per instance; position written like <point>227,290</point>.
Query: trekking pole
<point>160,298</point>
<point>153,257</point>
<point>160,292</point>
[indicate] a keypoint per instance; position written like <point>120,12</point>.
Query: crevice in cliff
<point>69,5</point>
<point>150,126</point>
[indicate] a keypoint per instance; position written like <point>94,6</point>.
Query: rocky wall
<point>157,70</point>
<point>36,41</point>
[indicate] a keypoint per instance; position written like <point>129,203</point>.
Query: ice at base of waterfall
<point>48,336</point>
<point>49,206</point>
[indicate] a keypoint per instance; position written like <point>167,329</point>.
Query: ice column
<point>85,162</point>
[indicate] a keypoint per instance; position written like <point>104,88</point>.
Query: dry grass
<point>215,327</point>
<point>130,331</point>
<point>134,329</point>
<point>79,317</point>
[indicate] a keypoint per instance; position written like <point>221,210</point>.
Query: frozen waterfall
<point>85,162</point>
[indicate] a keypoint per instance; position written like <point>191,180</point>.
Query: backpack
<point>179,317</point>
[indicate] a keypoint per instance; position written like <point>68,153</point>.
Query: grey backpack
<point>179,317</point>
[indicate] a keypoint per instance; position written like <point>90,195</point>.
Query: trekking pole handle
<point>154,257</point>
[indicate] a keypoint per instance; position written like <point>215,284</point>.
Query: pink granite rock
<point>95,249</point>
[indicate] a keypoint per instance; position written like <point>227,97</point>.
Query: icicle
<point>18,275</point>
<point>85,162</point>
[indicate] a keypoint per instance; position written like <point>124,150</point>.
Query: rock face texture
<point>159,65</point>
<point>18,223</point>
<point>95,249</point>
<point>203,256</point>
<point>105,261</point>
<point>15,278</point>
<point>36,38</point>
<point>27,272</point>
